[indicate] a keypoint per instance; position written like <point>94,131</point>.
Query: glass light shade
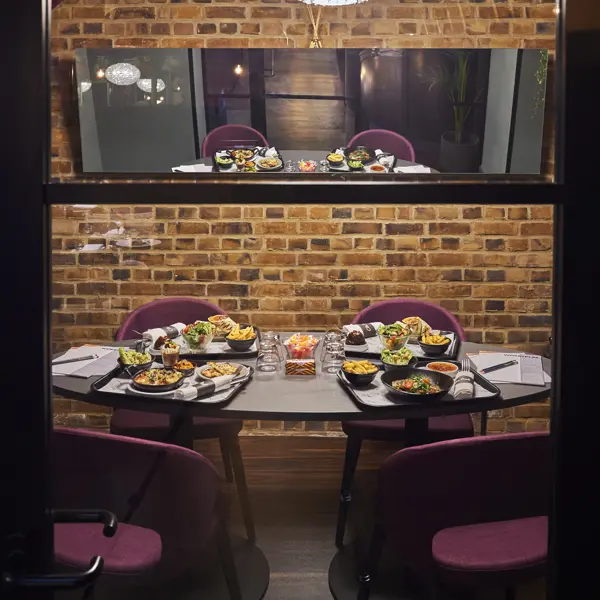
<point>146,85</point>
<point>84,86</point>
<point>122,74</point>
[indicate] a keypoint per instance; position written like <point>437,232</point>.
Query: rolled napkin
<point>170,331</point>
<point>464,385</point>
<point>367,329</point>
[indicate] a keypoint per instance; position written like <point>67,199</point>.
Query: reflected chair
<point>440,428</point>
<point>388,141</point>
<point>155,426</point>
<point>231,136</point>
<point>165,497</point>
<point>467,513</point>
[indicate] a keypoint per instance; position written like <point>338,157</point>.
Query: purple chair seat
<point>440,429</point>
<point>132,550</point>
<point>481,553</point>
<point>154,426</point>
<point>386,140</point>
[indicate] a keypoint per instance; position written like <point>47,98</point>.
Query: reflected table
<point>315,155</point>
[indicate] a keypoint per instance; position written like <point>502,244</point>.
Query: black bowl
<point>361,168</point>
<point>359,379</point>
<point>390,367</point>
<point>240,345</point>
<point>366,161</point>
<point>133,370</point>
<point>335,163</point>
<point>444,381</point>
<point>434,349</point>
<point>157,388</point>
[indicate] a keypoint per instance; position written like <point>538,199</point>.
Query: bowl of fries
<point>359,372</point>
<point>241,337</point>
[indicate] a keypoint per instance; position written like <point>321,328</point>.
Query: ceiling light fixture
<point>122,74</point>
<point>316,42</point>
<point>238,70</point>
<point>146,85</point>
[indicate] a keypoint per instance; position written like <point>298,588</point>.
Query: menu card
<point>528,369</point>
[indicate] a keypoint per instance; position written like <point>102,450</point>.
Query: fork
<point>465,365</point>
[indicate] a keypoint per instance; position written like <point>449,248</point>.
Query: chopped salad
<point>400,357</point>
<point>417,384</point>
<point>196,333</point>
<point>131,357</point>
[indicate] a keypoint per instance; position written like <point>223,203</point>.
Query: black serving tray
<point>119,373</point>
<point>400,401</point>
<point>450,355</point>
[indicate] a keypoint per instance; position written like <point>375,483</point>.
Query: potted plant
<point>459,149</point>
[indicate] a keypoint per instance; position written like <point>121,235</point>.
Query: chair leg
<point>353,445</point>
<point>369,569</point>
<point>511,593</point>
<point>237,463</point>
<point>225,454</point>
<point>227,562</point>
<point>483,426</point>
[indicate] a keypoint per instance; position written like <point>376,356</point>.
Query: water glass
<point>333,335</point>
<point>290,166</point>
<point>273,338</point>
<point>268,361</point>
<point>324,166</point>
<point>333,357</point>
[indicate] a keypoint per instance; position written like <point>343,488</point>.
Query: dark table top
<point>319,398</point>
<point>316,155</point>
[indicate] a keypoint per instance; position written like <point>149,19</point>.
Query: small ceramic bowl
<point>452,373</point>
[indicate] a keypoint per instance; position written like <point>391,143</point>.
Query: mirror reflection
<point>364,111</point>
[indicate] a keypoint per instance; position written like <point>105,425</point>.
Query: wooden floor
<point>294,485</point>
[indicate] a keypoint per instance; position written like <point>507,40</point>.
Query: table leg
<point>416,431</point>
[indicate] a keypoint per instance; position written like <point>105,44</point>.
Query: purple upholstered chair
<point>467,513</point>
<point>231,136</point>
<point>167,521</point>
<point>388,141</point>
<point>440,428</point>
<point>154,426</point>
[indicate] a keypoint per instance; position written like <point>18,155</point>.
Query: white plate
<point>242,373</point>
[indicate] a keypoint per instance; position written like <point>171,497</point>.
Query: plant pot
<point>459,158</point>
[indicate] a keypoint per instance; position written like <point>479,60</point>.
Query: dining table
<point>297,155</point>
<point>308,398</point>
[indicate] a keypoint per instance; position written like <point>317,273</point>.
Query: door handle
<point>57,581</point>
<point>88,516</point>
<point>63,581</point>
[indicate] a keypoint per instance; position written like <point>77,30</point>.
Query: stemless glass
<point>272,337</point>
<point>333,335</point>
<point>268,362</point>
<point>333,358</point>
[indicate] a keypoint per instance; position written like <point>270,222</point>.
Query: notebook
<point>527,371</point>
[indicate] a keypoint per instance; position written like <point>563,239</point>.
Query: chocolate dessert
<point>355,338</point>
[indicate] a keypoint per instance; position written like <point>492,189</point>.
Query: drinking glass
<point>333,335</point>
<point>333,358</point>
<point>268,361</point>
<point>170,356</point>
<point>274,338</point>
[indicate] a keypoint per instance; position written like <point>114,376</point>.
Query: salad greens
<point>131,357</point>
<point>355,164</point>
<point>195,333</point>
<point>401,357</point>
<point>394,330</point>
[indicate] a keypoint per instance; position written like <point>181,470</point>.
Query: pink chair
<point>388,141</point>
<point>231,136</point>
<point>440,428</point>
<point>468,513</point>
<point>154,426</point>
<point>177,518</point>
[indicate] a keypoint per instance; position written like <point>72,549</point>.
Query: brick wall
<point>309,267</point>
<point>282,23</point>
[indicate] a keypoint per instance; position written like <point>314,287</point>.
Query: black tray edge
<point>478,378</point>
<point>234,391</point>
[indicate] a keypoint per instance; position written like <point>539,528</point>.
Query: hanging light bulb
<point>238,70</point>
<point>100,73</point>
<point>146,85</point>
<point>122,74</point>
